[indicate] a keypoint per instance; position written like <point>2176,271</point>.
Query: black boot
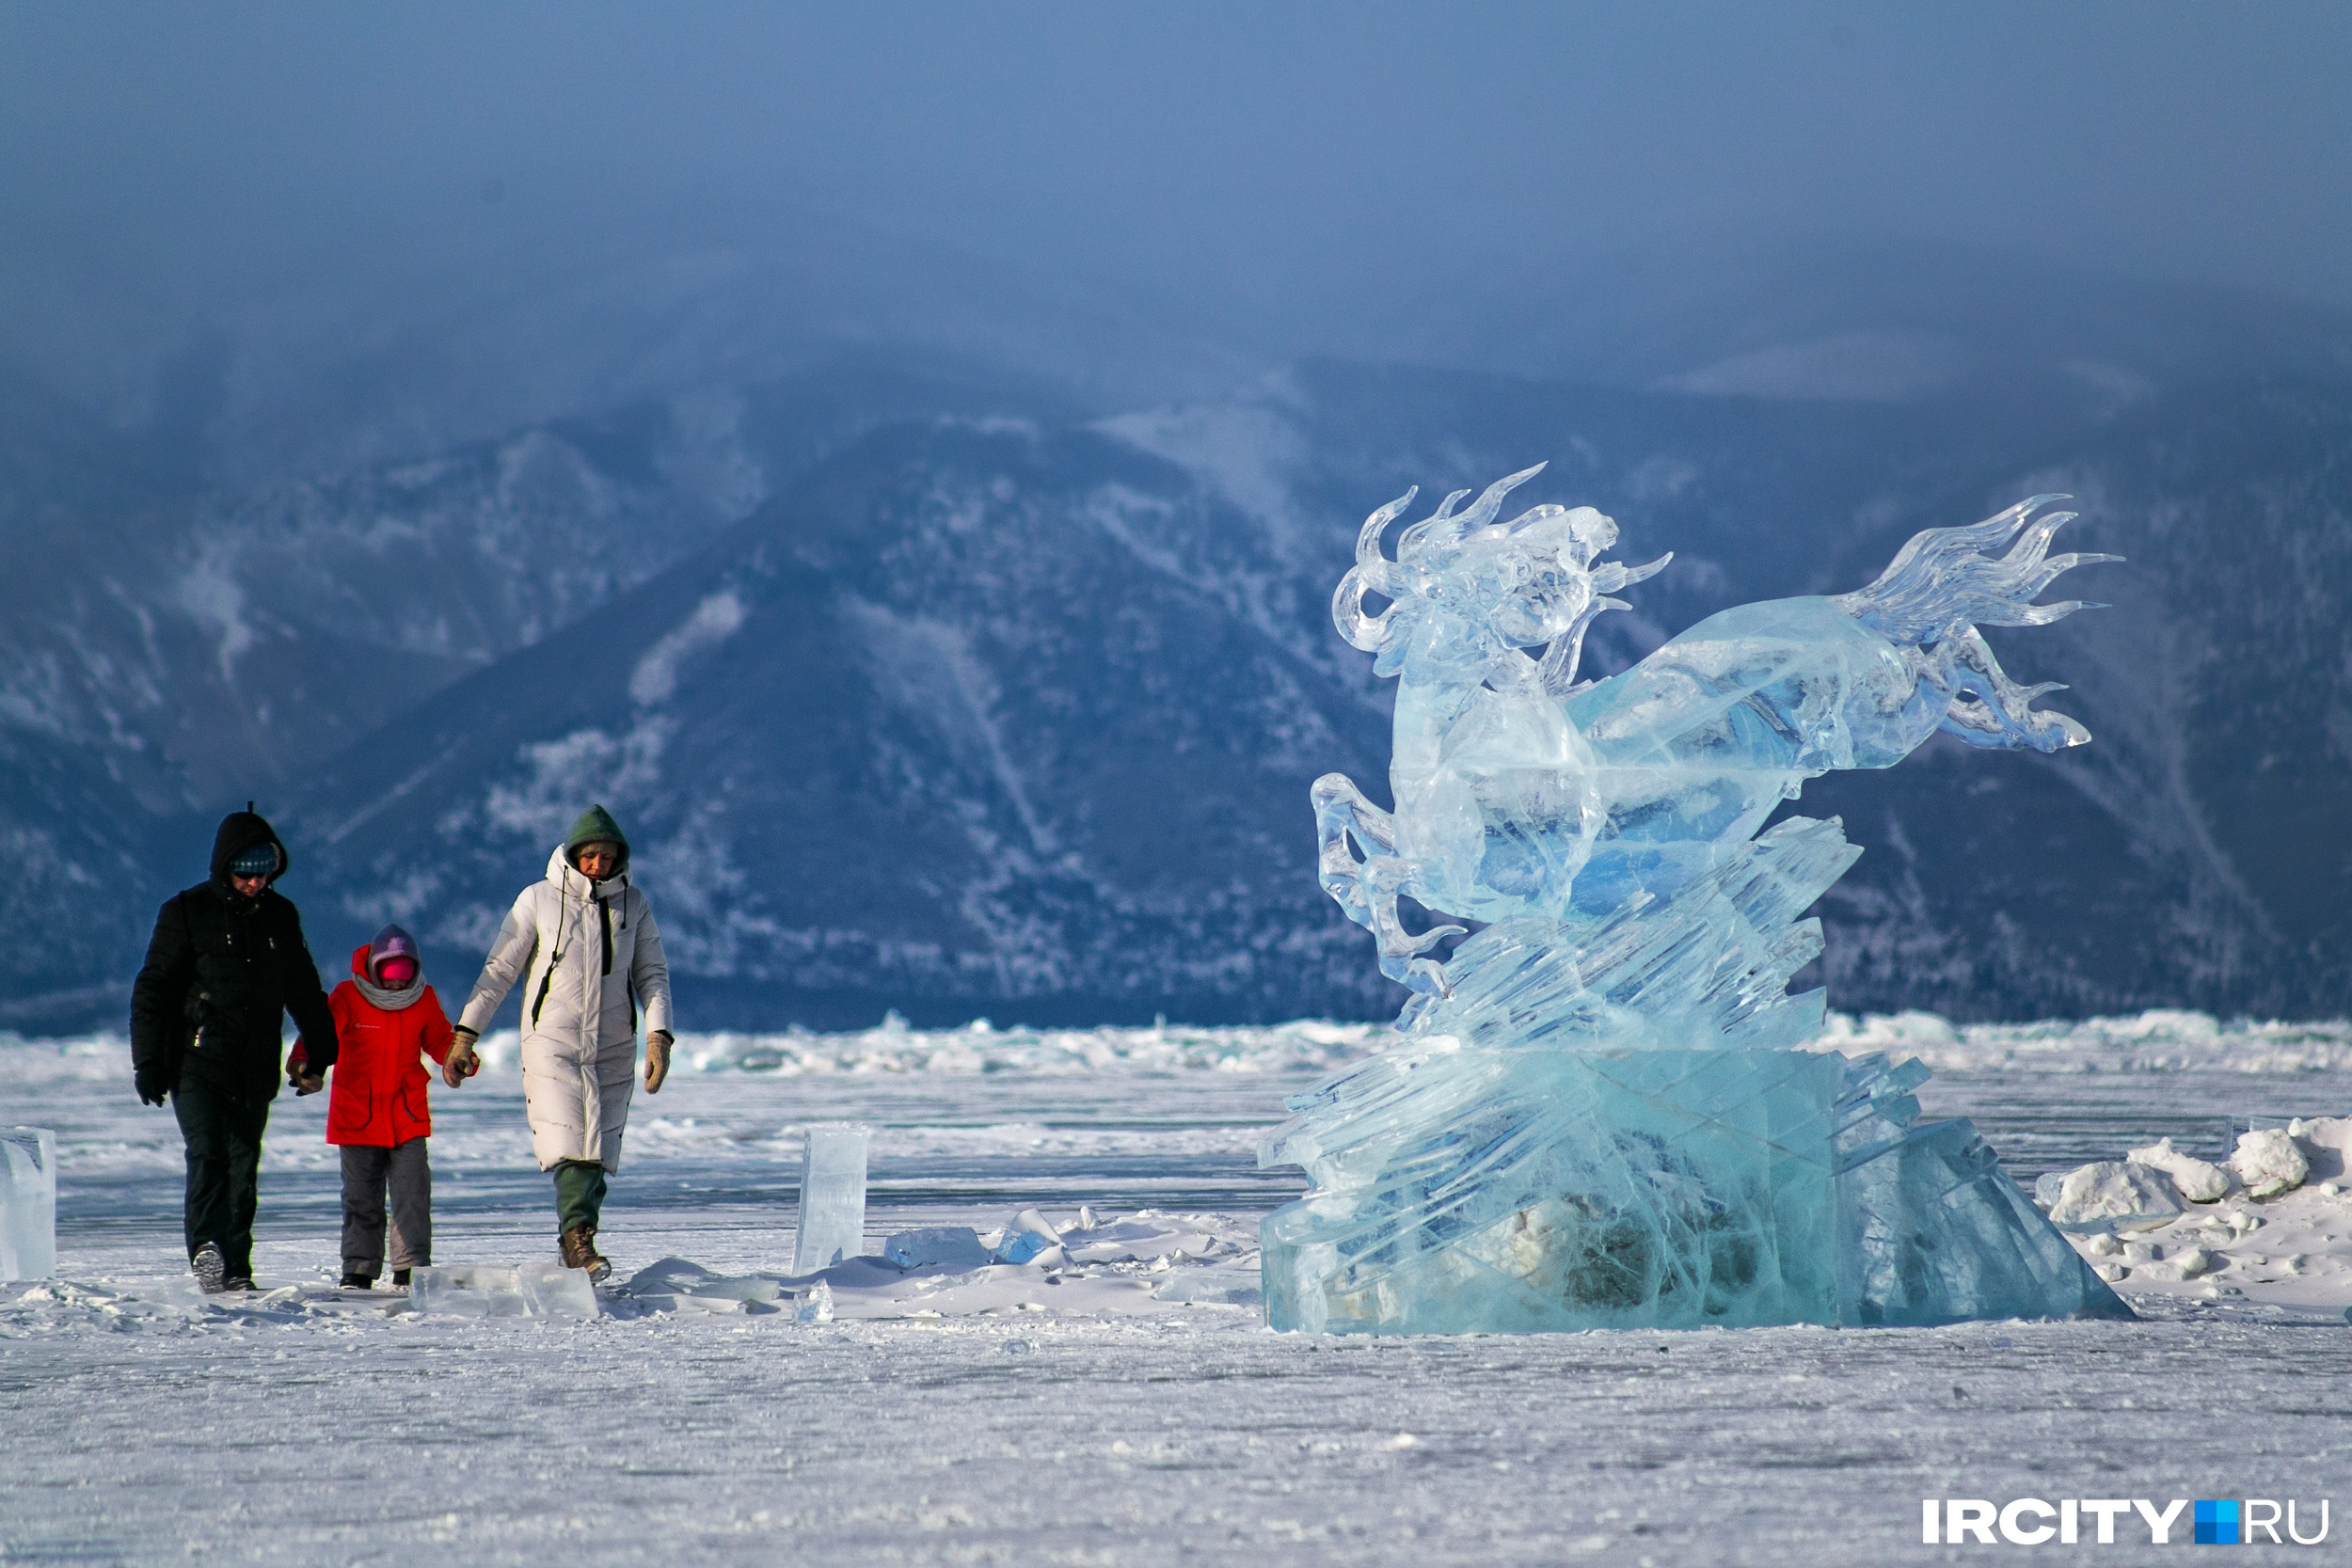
<point>354,1280</point>
<point>400,1279</point>
<point>211,1270</point>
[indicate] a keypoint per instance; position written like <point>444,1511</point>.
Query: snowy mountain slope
<point>1995,883</point>
<point>1006,712</point>
<point>963,698</point>
<point>960,726</point>
<point>160,652</point>
<point>2201,847</point>
<point>157,660</point>
<point>237,637</point>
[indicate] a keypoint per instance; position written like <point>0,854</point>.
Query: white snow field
<point>1117,1401</point>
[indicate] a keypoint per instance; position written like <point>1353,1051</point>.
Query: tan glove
<point>656,1060</point>
<point>462,1063</point>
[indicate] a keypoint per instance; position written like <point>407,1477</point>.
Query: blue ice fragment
<point>1028,1235</point>
<point>1597,1114</point>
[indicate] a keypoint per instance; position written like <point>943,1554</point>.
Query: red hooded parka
<point>378,1093</point>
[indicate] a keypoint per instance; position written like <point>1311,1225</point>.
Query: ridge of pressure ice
<point>1597,1115</point>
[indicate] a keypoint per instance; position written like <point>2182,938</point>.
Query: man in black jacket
<point>227,959</point>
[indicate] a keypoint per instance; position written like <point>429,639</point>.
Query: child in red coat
<point>386,1018</point>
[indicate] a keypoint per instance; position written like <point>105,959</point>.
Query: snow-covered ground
<point>1121,1403</point>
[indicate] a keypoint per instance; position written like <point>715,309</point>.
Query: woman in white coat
<point>585,948</point>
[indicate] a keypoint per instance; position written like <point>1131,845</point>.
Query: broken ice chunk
<point>832,1196</point>
<point>2268,1164</point>
<point>554,1290</point>
<point>541,1289</point>
<point>28,1203</point>
<point>2115,1193</point>
<point>2192,1177</point>
<point>1213,1287</point>
<point>816,1306</point>
<point>955,1245</point>
<point>468,1291</point>
<point>1027,1235</point>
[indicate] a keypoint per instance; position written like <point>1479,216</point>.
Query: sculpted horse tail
<point>1944,583</point>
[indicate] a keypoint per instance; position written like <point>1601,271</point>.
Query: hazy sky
<point>1261,177</point>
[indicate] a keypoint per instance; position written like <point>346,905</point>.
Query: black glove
<point>153,1089</point>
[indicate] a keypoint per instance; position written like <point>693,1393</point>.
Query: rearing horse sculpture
<point>1596,1112</point>
<point>1519,789</point>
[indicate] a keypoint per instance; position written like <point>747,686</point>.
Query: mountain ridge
<point>993,704</point>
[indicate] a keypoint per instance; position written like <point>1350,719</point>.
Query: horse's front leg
<point>1367,889</point>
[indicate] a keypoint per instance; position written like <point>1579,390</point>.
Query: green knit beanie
<point>595,824</point>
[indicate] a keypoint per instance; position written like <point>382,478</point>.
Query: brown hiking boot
<point>579,1252</point>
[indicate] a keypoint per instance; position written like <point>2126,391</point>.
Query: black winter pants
<point>224,1139</point>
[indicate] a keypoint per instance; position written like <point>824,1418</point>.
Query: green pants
<point>578,1195</point>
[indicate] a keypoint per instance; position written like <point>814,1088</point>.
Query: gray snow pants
<point>368,1171</point>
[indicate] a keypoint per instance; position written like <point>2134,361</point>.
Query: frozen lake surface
<point>150,1425</point>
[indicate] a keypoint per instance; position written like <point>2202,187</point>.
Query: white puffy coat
<point>589,958</point>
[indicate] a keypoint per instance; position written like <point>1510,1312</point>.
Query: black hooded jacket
<point>220,970</point>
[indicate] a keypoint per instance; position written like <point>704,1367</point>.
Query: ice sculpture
<point>832,1196</point>
<point>1597,1115</point>
<point>28,1203</point>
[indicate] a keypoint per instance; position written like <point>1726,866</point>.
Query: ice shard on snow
<point>28,1203</point>
<point>1598,1114</point>
<point>832,1196</point>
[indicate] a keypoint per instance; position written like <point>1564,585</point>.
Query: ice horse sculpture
<point>1597,1115</point>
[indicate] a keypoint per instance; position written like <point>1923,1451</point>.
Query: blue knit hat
<point>259,860</point>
